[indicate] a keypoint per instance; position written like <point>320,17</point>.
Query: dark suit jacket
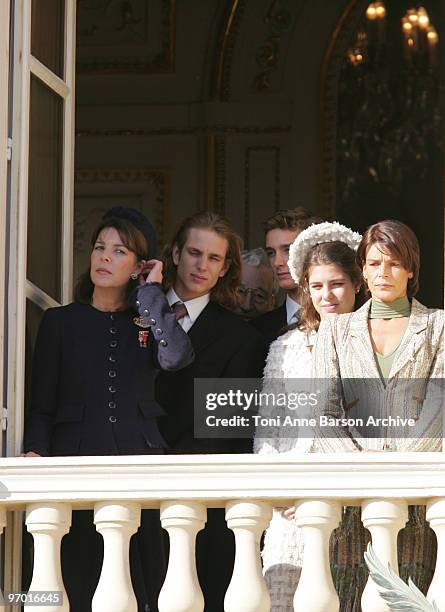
<point>225,347</point>
<point>92,382</point>
<point>271,324</point>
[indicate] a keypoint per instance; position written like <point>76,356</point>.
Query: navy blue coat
<point>92,382</point>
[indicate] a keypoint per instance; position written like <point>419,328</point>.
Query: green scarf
<point>390,310</point>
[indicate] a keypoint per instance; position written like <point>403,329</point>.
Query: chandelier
<point>420,35</point>
<point>390,103</point>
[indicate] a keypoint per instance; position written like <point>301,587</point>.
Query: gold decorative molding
<point>226,49</point>
<point>279,18</point>
<point>118,39</point>
<point>117,175</point>
<point>158,178</point>
<point>334,56</point>
<point>277,180</point>
<point>209,130</point>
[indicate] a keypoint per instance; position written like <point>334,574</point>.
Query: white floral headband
<point>317,234</point>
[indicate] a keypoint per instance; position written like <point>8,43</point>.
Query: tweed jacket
<point>343,352</point>
<point>289,357</point>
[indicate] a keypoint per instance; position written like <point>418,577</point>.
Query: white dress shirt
<point>292,310</point>
<point>194,307</point>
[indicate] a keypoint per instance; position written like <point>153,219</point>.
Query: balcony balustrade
<point>248,486</point>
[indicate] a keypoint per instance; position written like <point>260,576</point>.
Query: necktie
<point>180,310</point>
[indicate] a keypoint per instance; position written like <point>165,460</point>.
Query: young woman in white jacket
<point>322,261</point>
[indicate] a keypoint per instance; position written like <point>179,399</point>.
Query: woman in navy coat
<point>94,367</point>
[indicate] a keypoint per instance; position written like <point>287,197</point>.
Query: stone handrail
<point>247,486</point>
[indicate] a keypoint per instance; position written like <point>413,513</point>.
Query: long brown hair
<point>400,241</point>
<point>131,237</point>
<point>323,254</point>
<point>225,292</point>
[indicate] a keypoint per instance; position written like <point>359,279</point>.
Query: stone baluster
<point>117,522</point>
<point>2,526</point>
<point>181,591</point>
<point>48,523</point>
<point>435,514</point>
<point>315,591</point>
<point>247,590</point>
<point>384,519</point>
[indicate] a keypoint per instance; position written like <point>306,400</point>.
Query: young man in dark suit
<point>202,272</point>
<point>281,229</point>
<point>202,276</point>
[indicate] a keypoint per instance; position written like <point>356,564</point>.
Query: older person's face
<point>387,279</point>
<point>256,291</point>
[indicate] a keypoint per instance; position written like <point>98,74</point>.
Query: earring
<point>134,275</point>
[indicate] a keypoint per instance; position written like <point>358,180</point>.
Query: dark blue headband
<point>140,222</point>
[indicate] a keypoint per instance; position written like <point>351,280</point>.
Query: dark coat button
<point>113,330</point>
<point>163,342</point>
<point>152,321</point>
<point>111,404</point>
<point>112,419</point>
<point>112,358</point>
<point>113,344</point>
<point>112,389</point>
<point>146,312</point>
<point>112,373</point>
<point>138,303</point>
<point>112,317</point>
<point>158,331</point>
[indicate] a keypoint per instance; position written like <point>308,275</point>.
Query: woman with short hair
<point>395,345</point>
<point>392,338</point>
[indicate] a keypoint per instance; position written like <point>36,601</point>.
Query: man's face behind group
<point>255,294</point>
<point>278,242</point>
<point>200,263</point>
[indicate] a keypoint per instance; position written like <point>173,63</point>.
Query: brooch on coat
<point>144,332</point>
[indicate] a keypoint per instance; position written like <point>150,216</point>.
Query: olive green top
<point>388,310</point>
<point>384,362</point>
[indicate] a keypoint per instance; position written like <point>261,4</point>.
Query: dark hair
<point>140,222</point>
<point>226,289</point>
<point>297,218</point>
<point>326,253</point>
<point>400,241</point>
<point>131,237</point>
